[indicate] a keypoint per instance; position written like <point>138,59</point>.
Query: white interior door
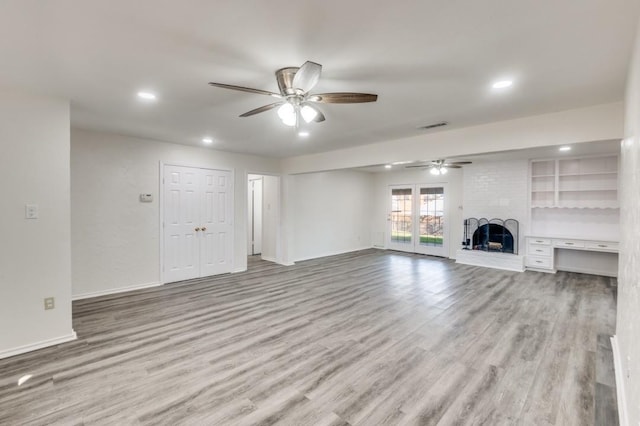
<point>217,223</point>
<point>197,222</point>
<point>418,219</point>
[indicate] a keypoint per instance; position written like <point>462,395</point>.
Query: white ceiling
<point>427,60</point>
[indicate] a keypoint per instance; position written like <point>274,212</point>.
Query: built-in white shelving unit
<point>588,182</point>
<point>574,220</point>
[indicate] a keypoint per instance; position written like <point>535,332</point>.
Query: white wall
<point>453,179</point>
<point>498,189</point>
<point>331,213</point>
<point>601,122</point>
<point>115,238</point>
<point>270,217</point>
<point>35,254</point>
<point>628,321</point>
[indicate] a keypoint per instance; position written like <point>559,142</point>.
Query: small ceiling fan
<point>295,101</point>
<point>439,167</point>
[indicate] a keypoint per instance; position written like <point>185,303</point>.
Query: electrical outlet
<point>49,303</point>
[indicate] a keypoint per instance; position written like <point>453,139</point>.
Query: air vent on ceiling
<point>434,125</point>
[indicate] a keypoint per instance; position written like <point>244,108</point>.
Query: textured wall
<point>34,254</point>
<point>331,213</point>
<point>115,238</point>
<point>628,321</point>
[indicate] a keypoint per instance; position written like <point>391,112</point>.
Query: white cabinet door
<point>198,222</point>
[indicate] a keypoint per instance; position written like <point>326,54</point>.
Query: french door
<point>197,222</point>
<point>418,219</point>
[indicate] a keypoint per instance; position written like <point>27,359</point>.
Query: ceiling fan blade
<point>246,89</point>
<point>261,109</point>
<point>343,98</point>
<point>423,166</point>
<point>307,76</point>
<point>457,163</point>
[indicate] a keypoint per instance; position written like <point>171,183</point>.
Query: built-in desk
<point>543,253</point>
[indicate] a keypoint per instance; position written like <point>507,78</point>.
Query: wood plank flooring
<point>367,338</point>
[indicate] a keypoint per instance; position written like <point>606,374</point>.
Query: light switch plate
<point>146,198</point>
<point>31,211</point>
<point>49,303</point>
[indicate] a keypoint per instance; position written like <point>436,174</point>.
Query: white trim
<point>274,260</point>
<point>620,393</point>
<point>114,291</point>
<point>38,345</point>
<point>333,253</point>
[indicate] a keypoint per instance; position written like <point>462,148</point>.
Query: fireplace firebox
<point>492,235</point>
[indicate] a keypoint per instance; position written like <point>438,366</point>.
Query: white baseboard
<point>274,260</point>
<point>620,393</point>
<point>113,291</point>
<point>333,253</point>
<point>38,345</point>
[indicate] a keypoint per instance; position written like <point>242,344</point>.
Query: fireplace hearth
<point>491,235</point>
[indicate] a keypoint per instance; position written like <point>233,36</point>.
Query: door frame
<point>414,247</point>
<point>161,209</point>
<point>279,237</point>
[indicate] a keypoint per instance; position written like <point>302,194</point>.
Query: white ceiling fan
<point>295,101</point>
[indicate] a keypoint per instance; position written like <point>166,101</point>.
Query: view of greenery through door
<point>431,215</point>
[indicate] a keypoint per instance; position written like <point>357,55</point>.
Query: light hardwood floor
<point>366,338</point>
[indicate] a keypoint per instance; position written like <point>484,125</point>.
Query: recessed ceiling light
<point>387,166</point>
<point>147,96</point>
<point>502,84</point>
<point>207,140</point>
<point>564,148</point>
<point>303,134</point>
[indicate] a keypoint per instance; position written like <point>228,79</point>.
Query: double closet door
<point>197,222</point>
<point>417,220</point>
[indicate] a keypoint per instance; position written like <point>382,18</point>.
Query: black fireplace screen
<point>494,235</point>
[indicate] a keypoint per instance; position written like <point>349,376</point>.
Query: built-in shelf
<point>586,182</point>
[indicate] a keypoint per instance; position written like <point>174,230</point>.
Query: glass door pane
<point>401,218</point>
<point>432,218</point>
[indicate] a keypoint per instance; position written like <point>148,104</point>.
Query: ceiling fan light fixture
<point>286,111</point>
<point>308,113</point>
<point>443,170</point>
<point>290,121</point>
<point>435,171</point>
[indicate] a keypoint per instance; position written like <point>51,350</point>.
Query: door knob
<point>204,229</point>
<point>197,229</point>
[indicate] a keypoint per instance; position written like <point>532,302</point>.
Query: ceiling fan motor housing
<point>284,76</point>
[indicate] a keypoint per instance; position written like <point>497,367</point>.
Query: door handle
<point>197,229</point>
